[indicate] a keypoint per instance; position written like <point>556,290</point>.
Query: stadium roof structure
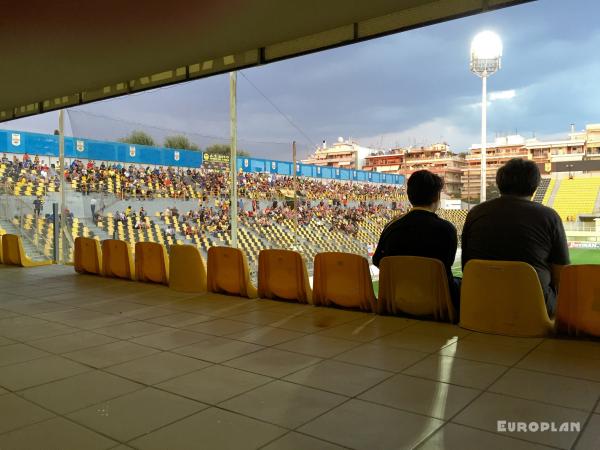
<point>68,52</point>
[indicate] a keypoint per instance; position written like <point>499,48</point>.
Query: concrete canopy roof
<point>62,53</point>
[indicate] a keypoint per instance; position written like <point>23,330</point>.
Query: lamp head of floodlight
<point>486,53</point>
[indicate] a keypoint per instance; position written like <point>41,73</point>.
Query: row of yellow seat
<point>500,297</point>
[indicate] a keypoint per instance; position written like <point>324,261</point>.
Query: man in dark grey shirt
<point>514,228</point>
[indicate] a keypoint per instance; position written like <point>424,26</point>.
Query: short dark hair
<point>424,187</point>
<point>518,177</point>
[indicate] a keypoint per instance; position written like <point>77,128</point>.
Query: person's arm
<point>559,254</point>
<point>453,245</point>
<point>464,242</point>
<point>556,269</point>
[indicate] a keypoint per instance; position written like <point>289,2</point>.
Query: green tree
<point>138,137</point>
<point>224,148</point>
<point>180,141</point>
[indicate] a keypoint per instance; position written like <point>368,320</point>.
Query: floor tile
<point>459,437</point>
<point>362,425</point>
<point>485,413</point>
<point>260,317</point>
<point>416,341</point>
<point>308,324</point>
<point>562,364</point>
<point>272,362</point>
<point>494,339</point>
<point>56,433</point>
<point>213,428</point>
<point>571,347</point>
<point>266,336</point>
<point>214,384</point>
<point>590,438</point>
<point>131,330</point>
<point>80,391</point>
<point>136,414</point>
<point>431,398</point>
<point>181,319</point>
<point>296,441</point>
<point>573,393</point>
<point>171,339</point>
<point>38,371</point>
<point>382,357</point>
<point>16,353</point>
<point>339,377</point>
<point>16,413</point>
<point>218,350</point>
<point>158,367</point>
<point>110,354</point>
<point>71,342</point>
<point>356,331</point>
<point>281,403</point>
<point>320,346</point>
<point>458,371</point>
<point>485,352</point>
<point>220,327</point>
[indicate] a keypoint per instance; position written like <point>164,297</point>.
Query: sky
<point>411,88</point>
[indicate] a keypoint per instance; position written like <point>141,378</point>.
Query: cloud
<point>503,95</point>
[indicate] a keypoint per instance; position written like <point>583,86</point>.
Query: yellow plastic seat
<point>187,271</point>
<point>503,297</point>
<point>14,254</point>
<point>228,272</point>
<point>117,261</point>
<point>416,286</point>
<point>1,257</point>
<point>151,263</point>
<point>578,304</point>
<point>343,279</point>
<point>282,275</point>
<point>88,256</point>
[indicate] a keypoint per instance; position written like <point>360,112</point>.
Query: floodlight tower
<point>486,55</point>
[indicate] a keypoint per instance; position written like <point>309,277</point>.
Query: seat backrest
<point>88,256</point>
<point>414,285</point>
<point>503,297</point>
<point>282,275</point>
<point>343,279</point>
<point>187,271</point>
<point>151,262</point>
<point>1,257</point>
<point>228,272</point>
<point>117,260</point>
<point>11,249</point>
<point>578,304</point>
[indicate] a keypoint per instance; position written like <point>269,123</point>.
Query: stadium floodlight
<point>486,55</point>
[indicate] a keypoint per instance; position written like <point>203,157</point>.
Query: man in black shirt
<point>420,232</point>
<point>514,228</point>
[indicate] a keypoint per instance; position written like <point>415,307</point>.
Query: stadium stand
<point>540,192</point>
<point>576,196</point>
<point>503,297</point>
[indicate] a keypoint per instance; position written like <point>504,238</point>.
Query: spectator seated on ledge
<point>420,232</point>
<point>515,228</point>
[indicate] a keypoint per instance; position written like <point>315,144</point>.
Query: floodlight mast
<point>486,56</point>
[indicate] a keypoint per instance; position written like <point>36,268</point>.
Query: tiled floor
<point>94,363</point>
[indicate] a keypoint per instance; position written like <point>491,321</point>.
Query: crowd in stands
<point>27,169</point>
<point>146,183</point>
